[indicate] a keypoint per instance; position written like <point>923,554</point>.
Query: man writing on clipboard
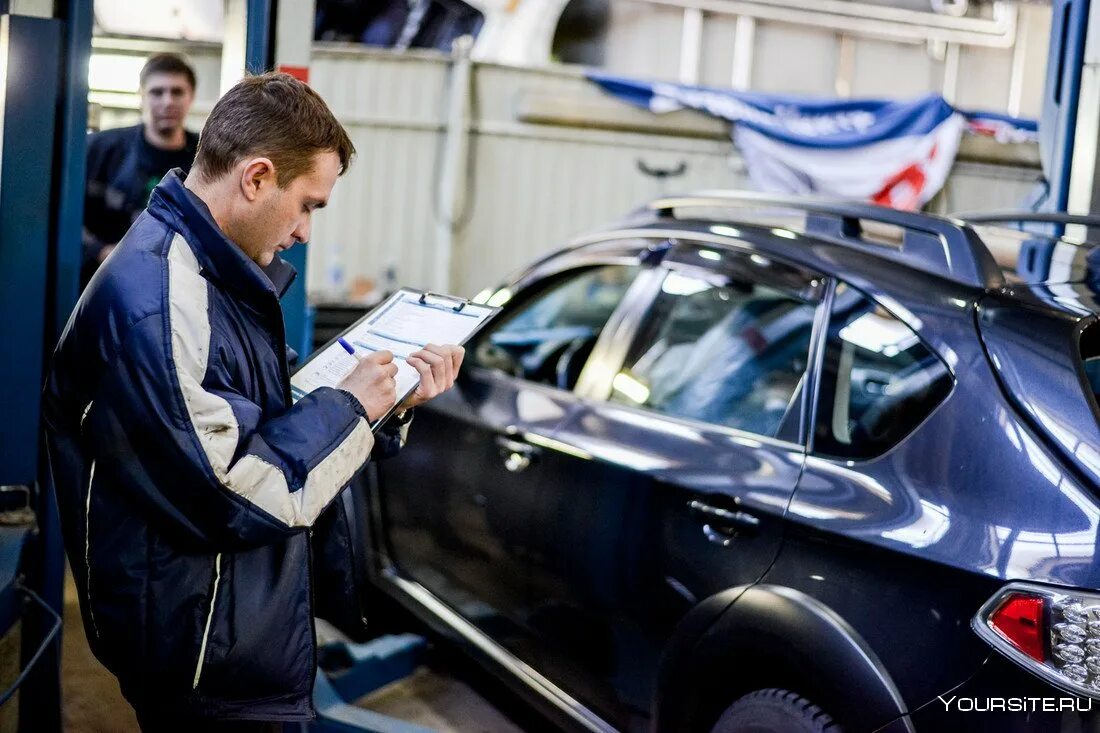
<point>188,482</point>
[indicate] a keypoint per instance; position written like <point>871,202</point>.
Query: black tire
<point>774,711</point>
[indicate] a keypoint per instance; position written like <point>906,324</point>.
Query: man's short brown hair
<point>275,116</point>
<point>166,63</point>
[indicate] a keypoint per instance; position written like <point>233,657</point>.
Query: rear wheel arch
<point>751,638</point>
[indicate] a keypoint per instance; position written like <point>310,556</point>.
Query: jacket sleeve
<point>200,456</point>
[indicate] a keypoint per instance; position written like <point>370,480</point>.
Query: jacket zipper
<point>209,620</point>
<point>88,548</point>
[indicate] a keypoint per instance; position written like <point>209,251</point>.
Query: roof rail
<point>1038,217</point>
<point>946,247</point>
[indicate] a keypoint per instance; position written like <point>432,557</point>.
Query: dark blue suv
<point>749,464</point>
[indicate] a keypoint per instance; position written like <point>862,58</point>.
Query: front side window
<point>725,348</point>
<point>548,335</point>
<point>878,380</point>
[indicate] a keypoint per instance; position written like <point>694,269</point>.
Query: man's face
<point>165,100</point>
<point>277,218</point>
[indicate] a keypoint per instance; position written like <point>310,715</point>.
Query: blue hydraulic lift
<point>43,119</point>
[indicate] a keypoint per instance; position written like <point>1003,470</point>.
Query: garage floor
<point>92,702</point>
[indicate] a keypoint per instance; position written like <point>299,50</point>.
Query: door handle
<point>517,455</point>
<point>722,525</point>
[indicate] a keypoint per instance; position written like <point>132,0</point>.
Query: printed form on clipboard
<point>404,323</point>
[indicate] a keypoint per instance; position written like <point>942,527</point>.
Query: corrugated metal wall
<point>382,212</point>
<point>537,185</point>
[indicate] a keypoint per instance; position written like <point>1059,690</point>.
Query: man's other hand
<point>438,367</point>
<point>373,383</point>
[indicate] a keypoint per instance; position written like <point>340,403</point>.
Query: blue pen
<point>347,347</point>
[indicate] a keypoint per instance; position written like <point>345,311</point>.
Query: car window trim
<point>808,273</point>
<point>622,327</point>
<point>813,372</point>
<point>742,436</point>
<point>689,236</point>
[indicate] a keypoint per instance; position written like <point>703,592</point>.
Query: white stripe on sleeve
<point>213,420</point>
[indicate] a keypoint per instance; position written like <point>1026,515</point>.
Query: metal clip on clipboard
<point>462,302</point>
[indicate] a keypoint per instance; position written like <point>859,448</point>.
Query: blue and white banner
<point>896,153</point>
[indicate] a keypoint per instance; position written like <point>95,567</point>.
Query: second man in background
<point>126,164</point>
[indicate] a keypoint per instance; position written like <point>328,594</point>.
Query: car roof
<point>881,250</point>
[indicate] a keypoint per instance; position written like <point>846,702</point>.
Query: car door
<point>457,503</point>
<point>674,473</point>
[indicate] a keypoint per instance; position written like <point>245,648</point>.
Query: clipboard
<point>403,323</point>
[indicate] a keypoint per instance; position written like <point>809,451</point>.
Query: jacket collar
<point>219,257</point>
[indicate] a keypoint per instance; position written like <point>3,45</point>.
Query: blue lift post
<point>1058,124</point>
<point>37,111</point>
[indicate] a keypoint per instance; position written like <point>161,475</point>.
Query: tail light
<point>1054,634</point>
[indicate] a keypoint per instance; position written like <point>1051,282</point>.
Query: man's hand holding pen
<point>373,381</point>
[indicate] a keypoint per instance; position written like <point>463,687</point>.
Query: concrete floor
<point>90,699</point>
<point>92,702</point>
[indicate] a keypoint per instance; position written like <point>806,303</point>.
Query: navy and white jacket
<point>186,478</point>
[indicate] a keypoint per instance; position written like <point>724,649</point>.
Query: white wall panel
<point>794,60</point>
<point>985,187</point>
<point>643,41</point>
<point>534,195</point>
<point>382,211</point>
<point>984,78</point>
<point>894,70</point>
<point>716,62</point>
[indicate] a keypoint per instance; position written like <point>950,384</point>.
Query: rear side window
<point>878,381</point>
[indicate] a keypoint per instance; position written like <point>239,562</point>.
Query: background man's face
<point>165,100</point>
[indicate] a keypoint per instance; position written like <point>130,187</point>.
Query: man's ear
<point>258,174</point>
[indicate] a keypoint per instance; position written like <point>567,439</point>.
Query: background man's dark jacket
<point>123,169</point>
<point>186,478</point>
